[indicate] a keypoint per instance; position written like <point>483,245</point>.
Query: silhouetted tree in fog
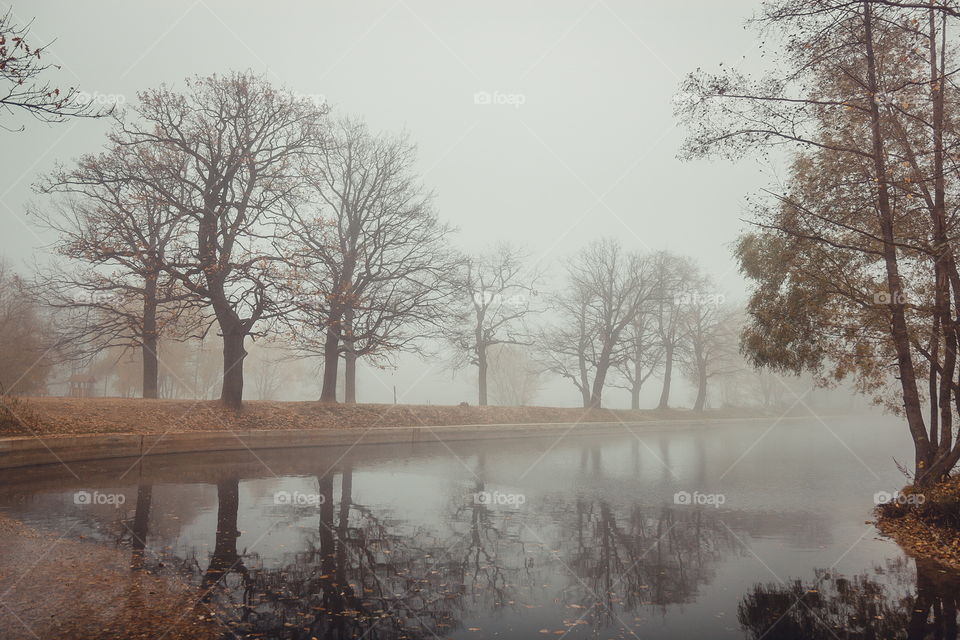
<point>229,155</point>
<point>675,277</point>
<point>605,291</point>
<point>26,339</point>
<point>115,233</point>
<point>492,296</point>
<point>371,254</point>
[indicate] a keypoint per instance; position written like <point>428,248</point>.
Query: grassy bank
<point>64,416</point>
<point>928,527</point>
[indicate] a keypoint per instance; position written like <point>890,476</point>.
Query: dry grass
<point>60,416</point>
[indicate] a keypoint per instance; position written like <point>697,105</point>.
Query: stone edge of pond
<point>27,451</point>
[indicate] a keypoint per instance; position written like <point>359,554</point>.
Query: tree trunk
<point>599,379</point>
<point>667,374</point>
<point>899,330</point>
<point>584,385</point>
<point>331,362</point>
<point>350,364</point>
<point>635,396</point>
<point>141,517</point>
<point>231,393</point>
<point>701,391</point>
<point>350,378</point>
<point>225,557</point>
<point>151,370</point>
<point>482,374</point>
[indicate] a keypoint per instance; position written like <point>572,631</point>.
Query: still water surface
<point>579,537</point>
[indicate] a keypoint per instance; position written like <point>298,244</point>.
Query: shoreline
<point>28,451</point>
<point>54,430</point>
<point>927,529</point>
<point>913,536</point>
<point>50,416</point>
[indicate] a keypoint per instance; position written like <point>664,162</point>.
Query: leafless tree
<point>675,277</point>
<point>371,253</point>
<point>606,289</point>
<point>493,296</point>
<point>642,351</point>
<point>24,70</point>
<point>513,376</point>
<point>710,334</point>
<point>567,347</point>
<point>116,235</point>
<point>273,369</point>
<point>229,155</point>
<point>25,339</point>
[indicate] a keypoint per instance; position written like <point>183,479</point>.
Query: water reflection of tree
<point>641,556</point>
<point>360,573</point>
<point>353,577</point>
<point>834,606</point>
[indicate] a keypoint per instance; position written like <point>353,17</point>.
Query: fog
<point>578,141</point>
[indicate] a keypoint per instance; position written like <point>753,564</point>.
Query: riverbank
<point>929,528</point>
<point>74,416</point>
<point>59,587</point>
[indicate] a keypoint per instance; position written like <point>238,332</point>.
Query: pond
<point>757,530</point>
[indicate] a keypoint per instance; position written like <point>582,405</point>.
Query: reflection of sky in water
<point>597,521</point>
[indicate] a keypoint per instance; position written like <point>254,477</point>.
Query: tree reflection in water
<point>586,564</point>
<point>360,574</point>
<point>861,607</point>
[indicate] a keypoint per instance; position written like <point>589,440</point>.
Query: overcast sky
<point>578,140</point>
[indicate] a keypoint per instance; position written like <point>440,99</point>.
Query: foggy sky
<point>590,152</point>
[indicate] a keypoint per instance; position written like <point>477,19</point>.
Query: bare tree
<point>371,251</point>
<point>642,351</point>
<point>273,369</point>
<point>26,89</point>
<point>25,339</point>
<point>567,348</point>
<point>229,156</point>
<point>710,335</point>
<point>115,234</point>
<point>675,277</point>
<point>606,289</point>
<point>513,376</point>
<point>493,295</point>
